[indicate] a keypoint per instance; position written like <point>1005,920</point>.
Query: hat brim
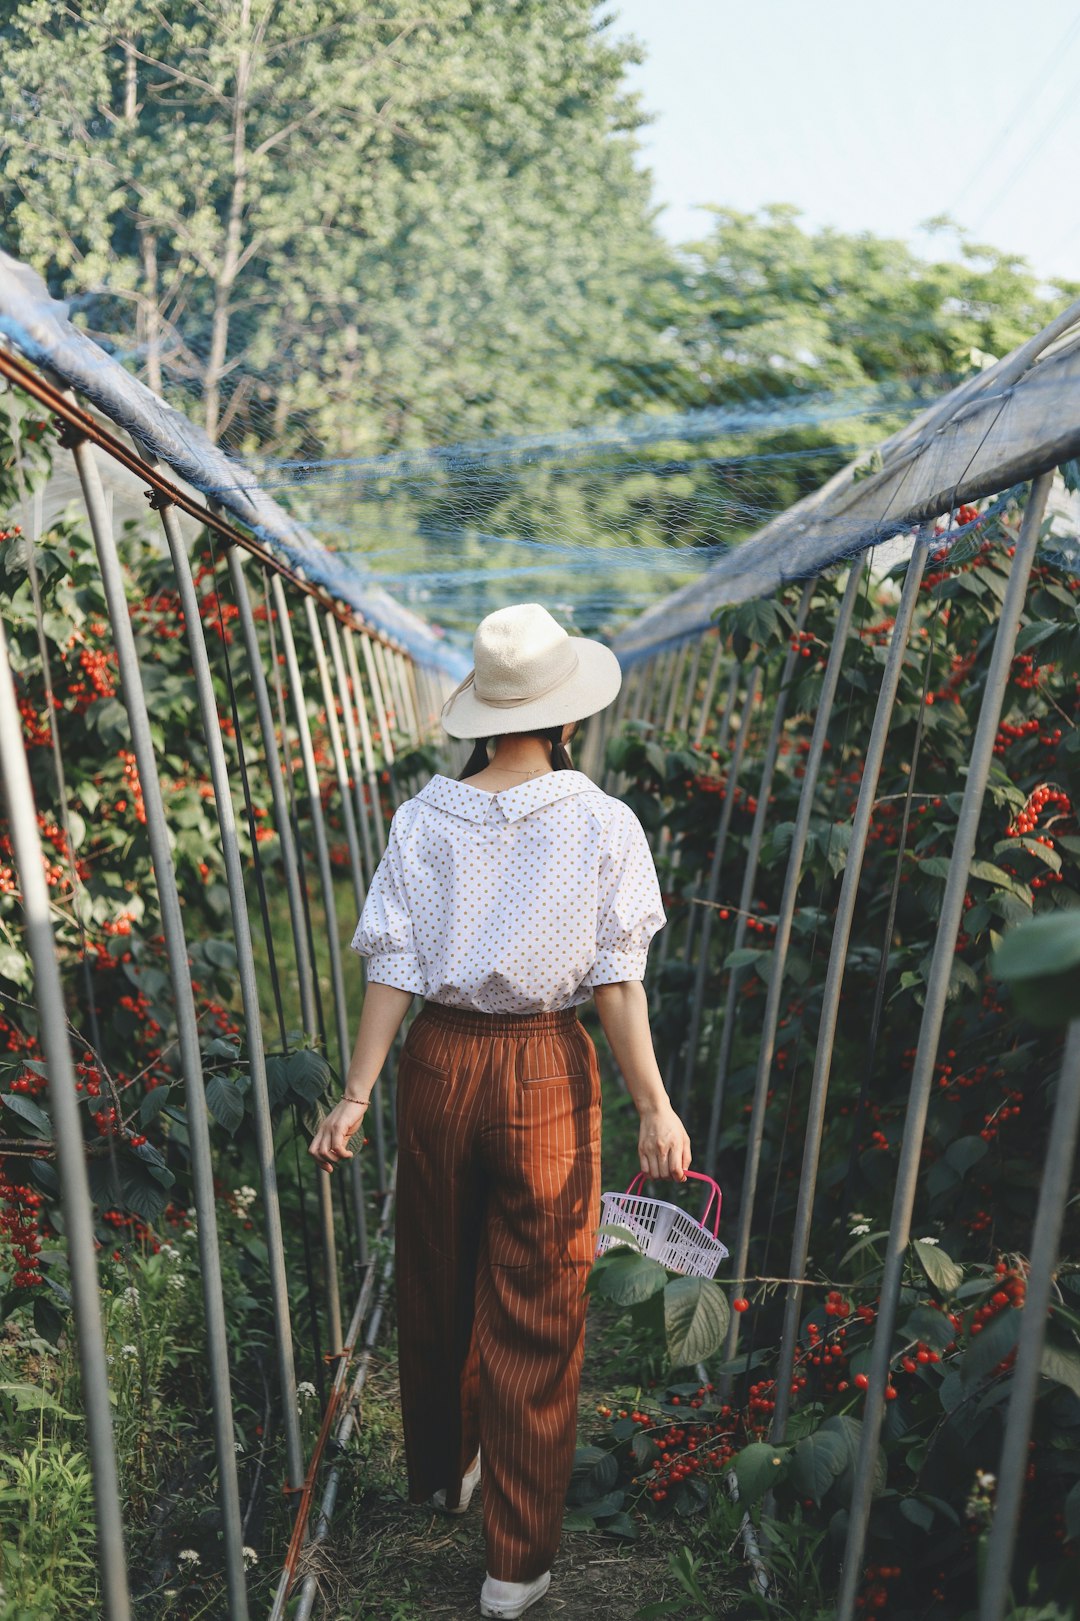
<point>593,685</point>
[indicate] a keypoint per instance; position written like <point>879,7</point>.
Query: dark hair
<point>560,760</point>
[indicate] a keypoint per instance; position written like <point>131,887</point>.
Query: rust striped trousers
<point>497,1210</point>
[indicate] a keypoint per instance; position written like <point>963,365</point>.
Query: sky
<point>868,116</point>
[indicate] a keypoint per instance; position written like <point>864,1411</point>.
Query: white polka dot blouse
<point>516,902</point>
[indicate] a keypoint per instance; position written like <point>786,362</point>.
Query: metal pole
<point>1054,1189</point>
<point>710,691</point>
<point>390,699</point>
<point>352,738</point>
<point>172,925</point>
<point>734,768</point>
<point>290,860</point>
<point>782,942</point>
<point>922,1075</point>
<point>370,771</point>
<point>322,857</point>
<point>70,1151</point>
<point>834,976</point>
<point>750,870</point>
<point>249,993</point>
<point>378,697</point>
<point>679,660</point>
<point>329,703</point>
<point>691,684</point>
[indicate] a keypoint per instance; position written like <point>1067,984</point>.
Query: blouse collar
<point>463,799</point>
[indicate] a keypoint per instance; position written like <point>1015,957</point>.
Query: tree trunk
<point>223,284</point>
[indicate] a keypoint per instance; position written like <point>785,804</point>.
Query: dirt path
<point>392,1561</point>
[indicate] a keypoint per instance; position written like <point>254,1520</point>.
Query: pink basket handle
<point>700,1177</point>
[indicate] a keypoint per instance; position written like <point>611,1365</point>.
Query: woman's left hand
<point>330,1143</point>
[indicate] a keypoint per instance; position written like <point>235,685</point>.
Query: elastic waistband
<point>497,1024</point>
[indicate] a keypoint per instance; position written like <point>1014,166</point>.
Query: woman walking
<point>505,899</point>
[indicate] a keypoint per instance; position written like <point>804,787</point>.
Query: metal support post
<point>922,1075</point>
<point>70,1150</point>
<point>198,1120</point>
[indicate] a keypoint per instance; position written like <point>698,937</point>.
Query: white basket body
<point>663,1232</point>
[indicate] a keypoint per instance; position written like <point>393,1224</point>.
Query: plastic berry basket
<point>665,1232</point>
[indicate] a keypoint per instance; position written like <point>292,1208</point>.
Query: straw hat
<point>528,673</point>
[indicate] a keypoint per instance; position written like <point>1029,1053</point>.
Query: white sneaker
<point>509,1599</point>
<point>469,1482</point>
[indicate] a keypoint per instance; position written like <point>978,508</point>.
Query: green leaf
<point>575,1520</point>
<point>942,1271</point>
<point>153,1102</point>
<point>1048,856</point>
<point>48,1321</point>
<point>919,1513</point>
<point>758,1468</point>
<point>141,1192</point>
<point>993,874</point>
<point>998,1337</point>
<point>598,1508</point>
<point>308,1074</point>
<point>935,866</point>
<point>817,1461</point>
<point>222,953</point>
<point>620,1525</point>
<point>15,966</point>
<point>627,1278</point>
<point>696,1315</point>
<point>611,1229</point>
<point>1062,1365</point>
<point>225,1102</point>
<point>29,1111</point>
<point>1040,960</point>
<point>1047,945</point>
<point>30,1399</point>
<point>933,1327</point>
<point>594,1473</point>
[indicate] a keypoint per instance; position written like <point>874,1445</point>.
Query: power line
<point>1060,50</point>
<point>1064,105</point>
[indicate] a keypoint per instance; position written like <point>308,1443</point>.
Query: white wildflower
<point>188,1556</point>
<point>305,1391</point>
<point>929,1241</point>
<point>250,1557</point>
<point>863,1227</point>
<point>170,1252</point>
<point>177,1281</point>
<point>238,1445</point>
<point>129,1350</point>
<point>130,1296</point>
<point>985,1480</point>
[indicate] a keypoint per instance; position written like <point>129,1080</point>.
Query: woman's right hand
<point>663,1144</point>
<point>330,1143</point>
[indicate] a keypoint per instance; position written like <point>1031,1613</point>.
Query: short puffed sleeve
<point>384,934</point>
<point>630,908</point>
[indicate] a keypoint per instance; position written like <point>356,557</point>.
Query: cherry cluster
<point>20,1221</point>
